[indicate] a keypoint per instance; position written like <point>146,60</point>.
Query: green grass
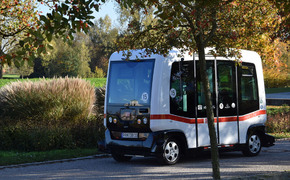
<point>14,157</point>
<point>281,135</point>
<point>11,76</point>
<point>97,82</point>
<point>277,90</point>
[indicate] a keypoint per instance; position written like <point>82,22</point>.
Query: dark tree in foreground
<point>195,25</point>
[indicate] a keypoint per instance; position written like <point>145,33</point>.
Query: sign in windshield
<point>130,82</point>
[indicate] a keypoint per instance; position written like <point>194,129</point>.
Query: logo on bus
<point>172,93</point>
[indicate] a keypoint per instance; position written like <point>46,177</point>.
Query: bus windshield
<point>130,83</point>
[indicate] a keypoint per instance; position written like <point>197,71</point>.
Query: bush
<point>49,114</point>
<point>278,119</point>
<point>53,101</point>
<point>273,78</point>
<point>100,101</point>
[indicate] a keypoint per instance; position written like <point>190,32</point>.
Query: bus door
<point>222,79</point>
<point>182,98</point>
<point>227,102</point>
<point>203,133</point>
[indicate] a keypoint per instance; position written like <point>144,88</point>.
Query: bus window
<point>130,81</point>
<point>248,94</point>
<point>201,106</point>
<point>182,89</point>
<point>226,88</point>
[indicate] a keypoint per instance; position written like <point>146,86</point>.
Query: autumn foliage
<point>32,30</point>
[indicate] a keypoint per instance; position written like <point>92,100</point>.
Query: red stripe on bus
<point>251,115</point>
<point>172,117</point>
<point>202,120</point>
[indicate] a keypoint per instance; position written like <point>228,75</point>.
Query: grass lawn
<point>11,76</point>
<point>281,135</point>
<point>14,157</point>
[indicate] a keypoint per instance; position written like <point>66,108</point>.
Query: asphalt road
<point>233,164</point>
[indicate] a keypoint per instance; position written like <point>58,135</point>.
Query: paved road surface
<point>284,95</point>
<point>233,164</point>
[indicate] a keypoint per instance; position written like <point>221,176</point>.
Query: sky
<point>109,8</point>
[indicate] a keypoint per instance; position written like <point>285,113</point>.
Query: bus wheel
<point>121,157</point>
<point>171,152</point>
<point>253,146</point>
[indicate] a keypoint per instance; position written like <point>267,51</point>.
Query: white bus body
<point>155,105</point>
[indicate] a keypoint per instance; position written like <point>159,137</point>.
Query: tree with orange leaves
<point>23,27</point>
<point>226,25</point>
<point>16,17</point>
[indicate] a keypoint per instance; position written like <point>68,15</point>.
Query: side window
<point>226,88</point>
<point>182,89</point>
<point>201,106</point>
<point>248,94</point>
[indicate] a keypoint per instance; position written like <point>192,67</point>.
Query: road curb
<point>55,161</point>
<point>285,175</point>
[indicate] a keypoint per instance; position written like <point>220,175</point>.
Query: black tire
<point>171,152</point>
<point>121,157</point>
<point>253,145</point>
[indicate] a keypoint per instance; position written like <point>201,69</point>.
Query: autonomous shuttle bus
<point>156,106</point>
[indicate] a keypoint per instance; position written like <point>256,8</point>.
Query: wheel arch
<point>260,130</point>
<point>161,137</point>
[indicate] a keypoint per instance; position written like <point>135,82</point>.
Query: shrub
<point>100,101</point>
<point>278,119</point>
<point>46,115</point>
<point>273,78</point>
<point>99,73</point>
<point>53,101</point>
<point>35,138</point>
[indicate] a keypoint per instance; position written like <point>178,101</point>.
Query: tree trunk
<point>1,71</point>
<point>209,109</point>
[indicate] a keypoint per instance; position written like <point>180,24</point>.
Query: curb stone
<point>271,176</point>
<point>283,139</point>
<point>55,161</point>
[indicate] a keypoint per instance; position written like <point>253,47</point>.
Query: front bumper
<point>268,140</point>
<point>149,147</point>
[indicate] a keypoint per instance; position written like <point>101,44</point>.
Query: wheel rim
<point>254,144</point>
<point>171,151</point>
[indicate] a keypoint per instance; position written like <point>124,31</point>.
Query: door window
<point>182,89</point>
<point>201,106</point>
<point>248,94</point>
<point>226,74</point>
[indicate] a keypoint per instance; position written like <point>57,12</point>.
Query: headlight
<point>139,121</point>
<point>145,120</point>
<point>115,120</point>
<point>110,119</point>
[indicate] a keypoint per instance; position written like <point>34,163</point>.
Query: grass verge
<point>14,157</point>
<point>11,76</point>
<point>280,135</point>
